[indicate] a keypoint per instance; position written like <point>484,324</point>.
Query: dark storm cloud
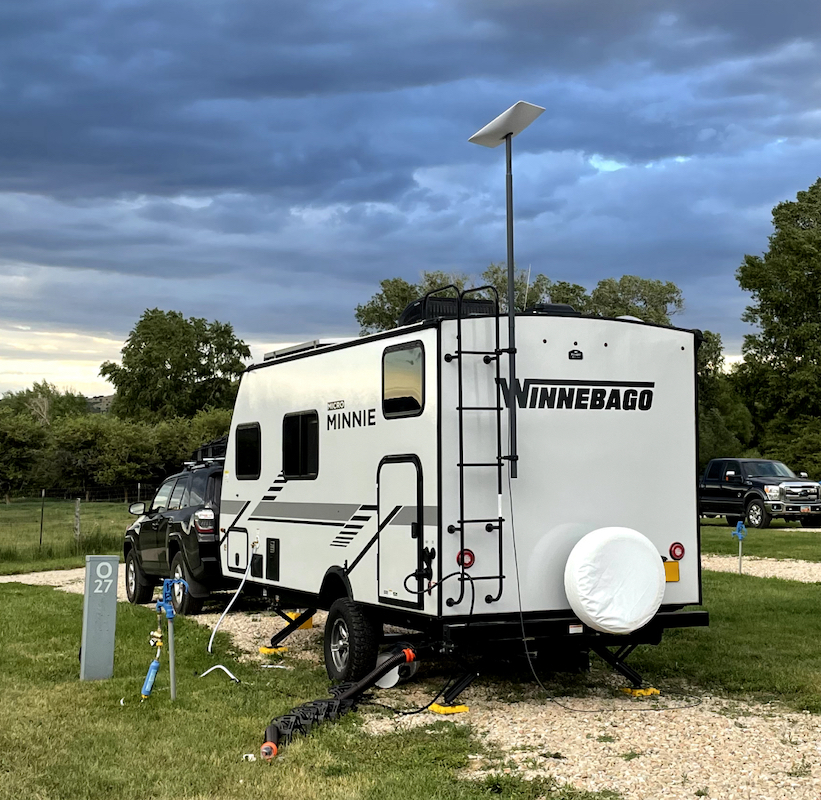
<point>268,163</point>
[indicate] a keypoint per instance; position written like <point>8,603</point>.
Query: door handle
<point>414,530</point>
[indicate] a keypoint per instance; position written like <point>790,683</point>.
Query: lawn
<point>101,531</point>
<point>60,738</point>
<point>774,542</point>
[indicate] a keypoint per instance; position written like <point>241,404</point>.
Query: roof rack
<point>314,344</point>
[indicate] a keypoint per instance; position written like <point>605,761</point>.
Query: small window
<point>714,473</point>
<point>300,445</point>
<point>212,492</point>
<point>403,380</point>
<point>248,459</point>
<point>160,502</point>
<point>177,500</point>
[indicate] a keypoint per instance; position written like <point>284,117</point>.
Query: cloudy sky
<point>267,163</point>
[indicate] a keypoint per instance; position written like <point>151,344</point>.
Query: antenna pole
<point>511,308</point>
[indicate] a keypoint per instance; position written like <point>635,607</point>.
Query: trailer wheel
<point>182,601</point>
<point>138,587</point>
<point>812,521</point>
<point>757,515</point>
<point>351,641</point>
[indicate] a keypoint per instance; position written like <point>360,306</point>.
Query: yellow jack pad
<point>437,709</point>
<point>267,651</point>
<point>648,692</point>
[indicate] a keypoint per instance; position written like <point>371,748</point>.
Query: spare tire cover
<point>614,580</point>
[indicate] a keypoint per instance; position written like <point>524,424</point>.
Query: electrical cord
<point>450,681</point>
<point>236,595</point>
<point>433,585</point>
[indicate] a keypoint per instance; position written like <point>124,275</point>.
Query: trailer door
<point>399,489</point>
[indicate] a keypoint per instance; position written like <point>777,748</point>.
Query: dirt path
<point>645,749</point>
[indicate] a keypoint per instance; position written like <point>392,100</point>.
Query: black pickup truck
<point>757,490</point>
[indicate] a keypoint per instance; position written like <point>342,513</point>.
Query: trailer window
<point>249,452</point>
<point>300,445</point>
<point>403,380</point>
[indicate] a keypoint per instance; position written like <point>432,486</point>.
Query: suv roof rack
<point>210,451</point>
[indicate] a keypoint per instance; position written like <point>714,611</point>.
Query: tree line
<point>176,383</point>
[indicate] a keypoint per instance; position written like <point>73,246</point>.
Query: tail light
<point>676,551</point>
<point>205,520</point>
<point>465,558</point>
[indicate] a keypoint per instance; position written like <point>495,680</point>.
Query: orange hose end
<point>268,751</point>
<point>409,655</point>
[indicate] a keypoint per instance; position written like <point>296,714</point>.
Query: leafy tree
<point>648,299</point>
<point>651,300</point>
<point>45,402</point>
<point>20,440</point>
<point>781,373</point>
<point>173,366</point>
<point>725,423</point>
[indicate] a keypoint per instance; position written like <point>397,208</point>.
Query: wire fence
<point>62,522</point>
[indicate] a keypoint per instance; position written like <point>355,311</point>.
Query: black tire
<point>138,587</point>
<point>733,521</point>
<point>351,641</point>
<point>811,521</point>
<point>182,601</point>
<point>757,515</point>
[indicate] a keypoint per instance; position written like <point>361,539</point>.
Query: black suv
<point>756,490</point>
<point>177,536</point>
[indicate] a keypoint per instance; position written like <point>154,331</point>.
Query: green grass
<point>782,542</point>
<point>60,738</point>
<point>101,528</point>
<point>762,643</point>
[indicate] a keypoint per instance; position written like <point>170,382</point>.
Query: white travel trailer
<point>372,477</point>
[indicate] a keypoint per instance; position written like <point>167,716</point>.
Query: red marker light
<point>465,559</point>
<point>676,551</point>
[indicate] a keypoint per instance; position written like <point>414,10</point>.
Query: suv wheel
<point>351,641</point>
<point>733,521</point>
<point>182,601</point>
<point>757,515</point>
<point>138,587</point>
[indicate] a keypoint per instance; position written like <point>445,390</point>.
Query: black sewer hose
<point>300,720</point>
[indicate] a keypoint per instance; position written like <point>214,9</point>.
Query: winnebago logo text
<point>587,395</point>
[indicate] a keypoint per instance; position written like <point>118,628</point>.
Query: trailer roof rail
<point>313,344</point>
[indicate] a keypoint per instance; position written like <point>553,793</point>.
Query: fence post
<point>42,510</point>
<point>138,491</point>
<point>77,521</point>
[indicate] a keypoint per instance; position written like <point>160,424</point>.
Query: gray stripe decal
<point>231,506</point>
<point>408,515</point>
<point>338,512</point>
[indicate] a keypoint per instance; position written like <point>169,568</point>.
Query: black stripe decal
<point>369,545</point>
<point>294,521</point>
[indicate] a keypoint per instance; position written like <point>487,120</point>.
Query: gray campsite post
<point>502,129</point>
<point>99,618</point>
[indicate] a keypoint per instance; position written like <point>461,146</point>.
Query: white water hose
<point>236,595</point>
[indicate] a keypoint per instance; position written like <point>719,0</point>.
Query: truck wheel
<point>757,516</point>
<point>351,641</point>
<point>182,601</point>
<point>733,521</point>
<point>812,521</point>
<point>138,587</point>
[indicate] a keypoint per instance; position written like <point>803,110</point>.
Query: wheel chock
<point>268,651</point>
<point>437,709</point>
<point>648,692</point>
